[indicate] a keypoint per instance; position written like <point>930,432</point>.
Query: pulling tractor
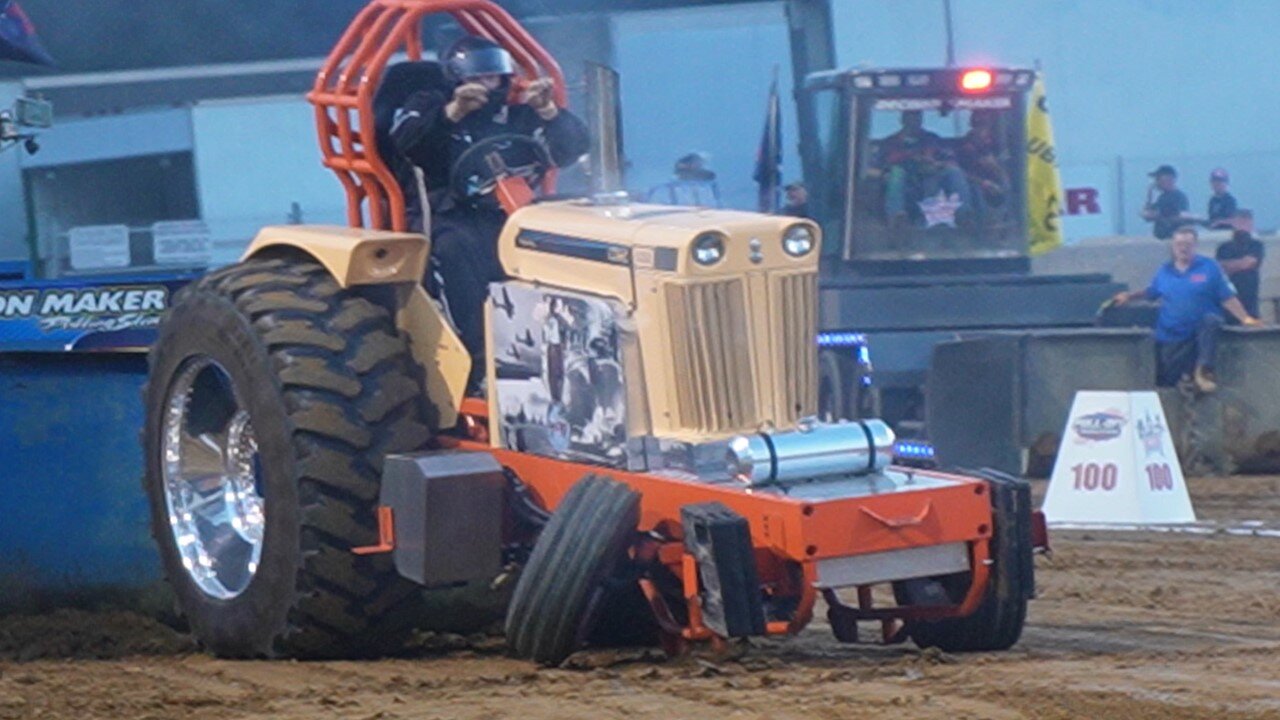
<point>645,463</point>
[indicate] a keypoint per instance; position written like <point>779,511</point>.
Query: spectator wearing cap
<point>1222,205</point>
<point>1241,258</point>
<point>1166,206</point>
<point>797,196</point>
<point>694,184</point>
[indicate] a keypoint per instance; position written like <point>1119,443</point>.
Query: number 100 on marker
<point>1093,476</point>
<point>1160,477</point>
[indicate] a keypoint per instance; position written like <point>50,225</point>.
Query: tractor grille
<point>712,355</point>
<point>739,361</point>
<point>793,300</point>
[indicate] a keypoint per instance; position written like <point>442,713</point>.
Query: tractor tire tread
<point>586,538</point>
<point>337,360</point>
<point>997,623</point>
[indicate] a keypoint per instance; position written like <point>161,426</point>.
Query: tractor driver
<point>433,128</point>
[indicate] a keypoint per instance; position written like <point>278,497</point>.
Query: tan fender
<point>352,256</point>
<point>444,360</point>
<point>374,257</point>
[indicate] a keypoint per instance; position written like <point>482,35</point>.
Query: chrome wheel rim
<point>212,480</point>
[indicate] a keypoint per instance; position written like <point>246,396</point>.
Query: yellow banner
<point>1044,186</point>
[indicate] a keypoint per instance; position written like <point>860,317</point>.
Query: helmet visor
<point>483,61</point>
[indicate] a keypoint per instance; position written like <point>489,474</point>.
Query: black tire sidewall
<point>204,323</point>
<point>596,535</point>
<point>997,623</point>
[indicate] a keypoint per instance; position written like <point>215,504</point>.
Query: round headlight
<point>798,241</point>
<point>708,249</point>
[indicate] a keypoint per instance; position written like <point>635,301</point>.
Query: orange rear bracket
<point>386,534</point>
<point>902,521</point>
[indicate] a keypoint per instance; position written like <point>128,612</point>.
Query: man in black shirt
<point>431,131</point>
<point>1169,208</point>
<point>1222,205</point>
<point>1241,257</point>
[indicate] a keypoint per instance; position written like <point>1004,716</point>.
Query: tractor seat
<point>399,82</point>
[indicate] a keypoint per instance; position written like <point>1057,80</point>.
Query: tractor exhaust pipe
<point>605,121</point>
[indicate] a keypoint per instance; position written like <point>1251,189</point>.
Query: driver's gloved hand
<point>540,95</point>
<point>467,98</point>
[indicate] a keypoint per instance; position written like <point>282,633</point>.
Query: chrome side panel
<point>895,565</point>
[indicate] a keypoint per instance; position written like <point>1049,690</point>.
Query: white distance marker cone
<point>1117,464</point>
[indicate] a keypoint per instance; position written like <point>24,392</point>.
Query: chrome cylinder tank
<point>813,450</point>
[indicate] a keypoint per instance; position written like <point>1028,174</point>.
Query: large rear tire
<point>998,621</point>
<point>273,397</point>
<point>558,600</point>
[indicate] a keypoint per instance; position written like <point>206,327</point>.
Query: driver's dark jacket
<point>427,138</point>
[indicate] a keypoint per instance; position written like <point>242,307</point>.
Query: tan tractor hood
<point>594,248</point>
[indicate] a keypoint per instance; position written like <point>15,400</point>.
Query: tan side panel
<point>766,377</point>
<point>711,351</point>
<point>793,312</point>
<point>651,332</point>
<point>445,362</point>
<point>639,418</point>
<point>352,256</point>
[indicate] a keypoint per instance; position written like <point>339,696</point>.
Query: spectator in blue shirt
<point>1193,291</point>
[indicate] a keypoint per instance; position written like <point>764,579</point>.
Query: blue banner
<point>77,317</point>
<point>18,41</point>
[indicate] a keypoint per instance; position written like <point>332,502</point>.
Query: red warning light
<point>975,80</point>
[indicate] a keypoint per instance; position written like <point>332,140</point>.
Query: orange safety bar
<point>345,86</point>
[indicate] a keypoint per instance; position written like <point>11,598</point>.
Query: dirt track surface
<point>1128,625</point>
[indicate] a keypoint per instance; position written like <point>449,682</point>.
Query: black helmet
<point>472,56</point>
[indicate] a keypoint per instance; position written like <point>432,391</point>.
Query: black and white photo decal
<point>559,377</point>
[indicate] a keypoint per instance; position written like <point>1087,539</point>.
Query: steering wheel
<point>474,175</point>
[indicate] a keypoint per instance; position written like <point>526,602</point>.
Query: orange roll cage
<point>345,86</point>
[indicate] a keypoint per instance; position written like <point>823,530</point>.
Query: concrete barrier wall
<point>1002,399</point>
<point>1236,429</point>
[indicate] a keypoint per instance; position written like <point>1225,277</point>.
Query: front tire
<point>323,387</point>
<point>563,587</point>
